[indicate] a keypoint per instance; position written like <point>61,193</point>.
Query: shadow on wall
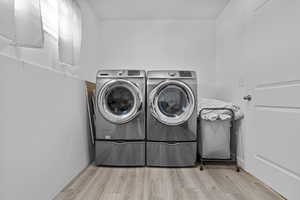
<point>90,88</point>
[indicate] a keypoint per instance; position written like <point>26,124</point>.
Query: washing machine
<point>171,118</point>
<point>120,118</point>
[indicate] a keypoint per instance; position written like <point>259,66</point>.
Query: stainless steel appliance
<point>171,118</point>
<point>120,118</point>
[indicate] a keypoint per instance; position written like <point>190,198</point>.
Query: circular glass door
<point>172,102</point>
<point>119,101</point>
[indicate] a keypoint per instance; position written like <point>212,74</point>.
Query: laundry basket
<point>215,139</point>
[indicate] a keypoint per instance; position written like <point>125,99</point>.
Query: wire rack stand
<point>233,144</point>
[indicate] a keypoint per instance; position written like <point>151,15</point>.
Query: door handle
<point>247,98</point>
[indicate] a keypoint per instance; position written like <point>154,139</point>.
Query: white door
<point>272,60</point>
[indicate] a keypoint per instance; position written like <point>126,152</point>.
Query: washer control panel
<point>120,73</point>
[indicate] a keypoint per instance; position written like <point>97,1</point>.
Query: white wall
<point>46,57</point>
<point>157,9</point>
<point>230,33</point>
<point>89,58</point>
<point>157,44</point>
<point>148,44</point>
<point>43,130</point>
<point>230,71</point>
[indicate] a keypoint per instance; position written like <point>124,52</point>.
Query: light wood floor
<point>214,183</point>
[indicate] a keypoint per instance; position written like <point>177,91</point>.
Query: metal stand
<point>233,145</point>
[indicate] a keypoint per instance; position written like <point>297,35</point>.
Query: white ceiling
<point>158,9</point>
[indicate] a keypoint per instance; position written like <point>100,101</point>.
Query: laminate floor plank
<point>214,183</point>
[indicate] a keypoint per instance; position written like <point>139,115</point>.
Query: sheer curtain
<point>78,34</point>
<point>21,22</point>
<point>7,19</point>
<point>69,37</point>
<point>28,23</point>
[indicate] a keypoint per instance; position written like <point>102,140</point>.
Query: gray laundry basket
<point>215,140</point>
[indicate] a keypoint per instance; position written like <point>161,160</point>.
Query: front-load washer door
<point>119,101</point>
<point>172,102</point>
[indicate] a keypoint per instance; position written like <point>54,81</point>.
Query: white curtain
<point>7,15</point>
<point>77,35</point>
<point>69,39</point>
<point>21,22</point>
<point>28,24</point>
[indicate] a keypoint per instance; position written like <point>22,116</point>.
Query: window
<point>49,10</point>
